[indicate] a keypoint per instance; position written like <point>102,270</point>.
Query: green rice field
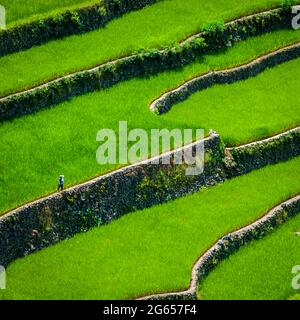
<point>269,261</point>
<point>21,11</point>
<point>63,138</point>
<point>156,26</point>
<point>153,250</point>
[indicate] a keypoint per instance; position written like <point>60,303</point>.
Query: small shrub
<point>214,27</point>
<point>287,4</point>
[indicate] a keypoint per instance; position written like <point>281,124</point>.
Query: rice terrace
<point>150,150</point>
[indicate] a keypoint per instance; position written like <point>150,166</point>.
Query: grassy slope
<point>25,10</point>
<point>228,108</point>
<point>152,250</point>
<point>37,148</point>
<point>268,261</point>
<point>158,25</point>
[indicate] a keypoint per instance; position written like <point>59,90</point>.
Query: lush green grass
<point>25,10</point>
<point>255,107</point>
<point>260,271</point>
<point>152,250</point>
<point>156,26</point>
<point>36,149</point>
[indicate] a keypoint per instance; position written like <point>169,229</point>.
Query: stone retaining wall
<point>252,69</point>
<point>77,21</point>
<point>230,244</point>
<point>248,157</point>
<point>60,216</point>
<point>144,64</point>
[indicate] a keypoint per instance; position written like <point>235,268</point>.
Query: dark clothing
<point>60,183</point>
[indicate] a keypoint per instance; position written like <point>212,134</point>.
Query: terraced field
<point>57,95</point>
<point>151,251</point>
<point>269,260</point>
<point>18,11</point>
<point>45,132</point>
<point>157,26</point>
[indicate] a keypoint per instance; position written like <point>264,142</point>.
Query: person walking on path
<point>61,181</point>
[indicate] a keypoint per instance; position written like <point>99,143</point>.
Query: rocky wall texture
<point>142,185</point>
<point>230,244</point>
<point>248,157</point>
<point>252,69</point>
<point>138,65</point>
<point>61,215</point>
<point>27,35</point>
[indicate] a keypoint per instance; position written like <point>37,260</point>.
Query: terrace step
<point>51,219</point>
<point>165,102</point>
<point>108,74</point>
<point>231,243</point>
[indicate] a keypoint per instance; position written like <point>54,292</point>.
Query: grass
<point>152,250</point>
<point>21,11</point>
<point>259,271</point>
<point>227,108</point>
<point>155,26</point>
<point>35,149</point>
